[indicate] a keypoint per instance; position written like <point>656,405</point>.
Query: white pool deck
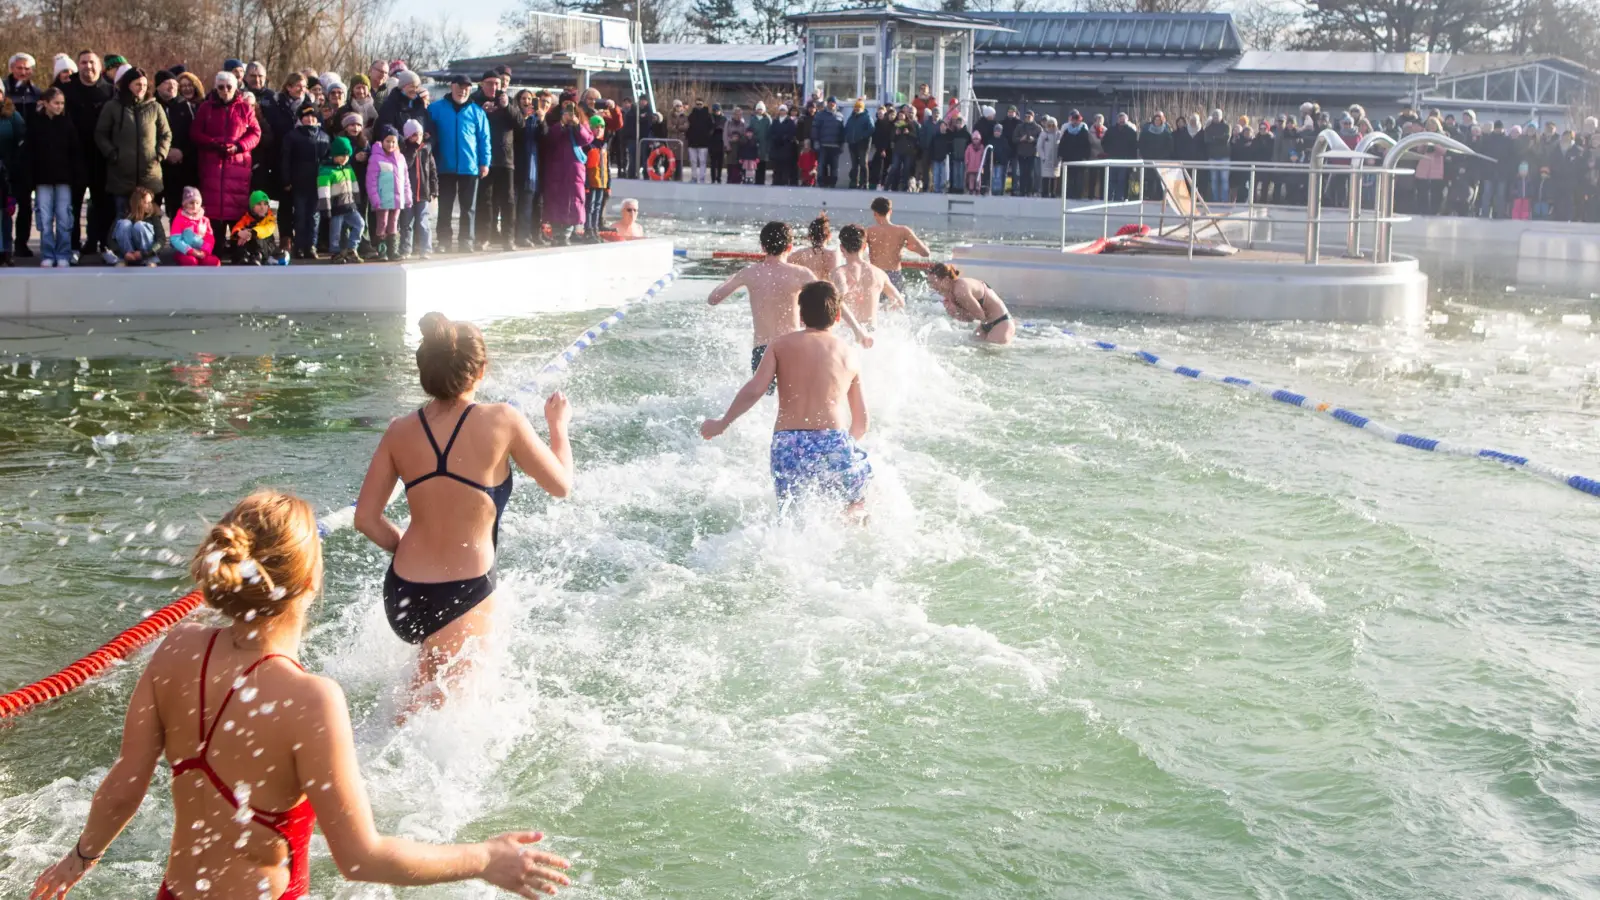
<point>478,287</point>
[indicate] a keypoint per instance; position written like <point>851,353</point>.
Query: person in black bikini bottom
<point>439,589</point>
<point>970,300</point>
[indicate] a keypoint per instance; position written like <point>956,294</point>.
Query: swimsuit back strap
<point>429,432</point>
<point>200,715</point>
<point>205,745</point>
<point>453,435</point>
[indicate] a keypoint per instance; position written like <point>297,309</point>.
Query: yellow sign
<point>1416,63</point>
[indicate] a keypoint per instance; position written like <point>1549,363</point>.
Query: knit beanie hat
<point>412,128</point>
<point>231,64</point>
<point>163,76</point>
<point>596,122</point>
<point>352,118</point>
<point>406,76</point>
<point>257,198</point>
<point>116,75</point>
<point>361,80</point>
<point>339,146</point>
<point>388,131</point>
<point>64,63</point>
<point>191,193</point>
<point>329,79</point>
<point>115,59</point>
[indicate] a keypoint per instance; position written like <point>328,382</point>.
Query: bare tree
<point>1398,26</point>
<point>422,44</point>
<point>1266,24</point>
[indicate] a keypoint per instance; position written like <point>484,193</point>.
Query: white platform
<point>1267,287</point>
<point>477,287</point>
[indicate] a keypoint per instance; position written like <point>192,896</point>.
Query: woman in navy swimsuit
<point>439,591</point>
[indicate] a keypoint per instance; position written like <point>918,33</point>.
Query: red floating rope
<point>69,679</point>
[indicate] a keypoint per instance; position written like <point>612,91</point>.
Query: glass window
<point>849,41</point>
<point>837,72</point>
<point>924,43</point>
<point>952,69</point>
<point>869,74</point>
<point>822,41</point>
<point>869,40</point>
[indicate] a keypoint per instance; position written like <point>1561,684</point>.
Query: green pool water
<point>1109,633</point>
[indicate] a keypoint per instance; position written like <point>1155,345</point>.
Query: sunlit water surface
<point>1109,632</point>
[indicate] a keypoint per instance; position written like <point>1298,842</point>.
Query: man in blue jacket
<point>827,135</point>
<point>460,134</point>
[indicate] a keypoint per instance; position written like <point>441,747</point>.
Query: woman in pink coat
<point>561,170</point>
<point>224,133</point>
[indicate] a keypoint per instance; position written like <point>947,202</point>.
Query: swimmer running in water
<point>970,300</point>
<point>774,284</point>
<point>860,283</point>
<point>821,410</point>
<point>246,795</point>
<point>886,241</point>
<point>439,591</point>
<point>818,258</point>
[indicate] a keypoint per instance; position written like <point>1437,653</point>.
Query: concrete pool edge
<point>476,287</point>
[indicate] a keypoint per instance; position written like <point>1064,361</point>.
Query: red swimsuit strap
<point>294,825</point>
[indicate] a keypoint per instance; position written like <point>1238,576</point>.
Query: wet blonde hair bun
<point>260,557</point>
<point>451,357</point>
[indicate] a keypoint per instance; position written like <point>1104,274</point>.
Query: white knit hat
<point>64,63</point>
<point>117,75</point>
<point>412,128</point>
<point>329,79</point>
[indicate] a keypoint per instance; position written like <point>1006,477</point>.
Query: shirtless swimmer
<point>821,410</point>
<point>886,241</point>
<point>860,283</point>
<point>774,284</point>
<point>818,257</point>
<point>970,300</point>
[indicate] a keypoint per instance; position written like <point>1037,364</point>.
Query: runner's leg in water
<point>448,657</point>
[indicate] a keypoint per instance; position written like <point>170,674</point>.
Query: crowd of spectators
<point>121,165</point>
<point>1526,171</point>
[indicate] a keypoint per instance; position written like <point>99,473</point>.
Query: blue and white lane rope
<point>1355,420</point>
<point>345,518</point>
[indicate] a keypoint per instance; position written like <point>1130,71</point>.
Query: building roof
<point>1349,63</point>
<point>927,18</point>
<point>759,54</point>
<point>1183,34</point>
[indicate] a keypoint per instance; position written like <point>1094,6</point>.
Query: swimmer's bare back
<point>886,242</point>
<point>820,261</point>
<point>816,372</point>
<point>774,284</point>
<point>860,285</point>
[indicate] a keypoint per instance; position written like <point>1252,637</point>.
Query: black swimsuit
<point>418,609</point>
<point>989,326</point>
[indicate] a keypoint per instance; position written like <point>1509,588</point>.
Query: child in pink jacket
<point>192,238</point>
<point>974,158</point>
<point>388,191</point>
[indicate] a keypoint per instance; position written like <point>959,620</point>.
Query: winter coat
<point>423,172</point>
<point>781,141</point>
<point>678,126</point>
<point>1025,140</point>
<point>134,139</point>
<point>939,149</point>
<point>905,139</point>
<point>1156,143</point>
<point>225,135</point>
<point>1217,137</point>
<point>84,102</point>
<point>827,129</point>
<point>24,96</point>
<point>926,131</point>
<point>388,183</point>
<point>397,109</point>
<point>1121,141</point>
<point>54,152</point>
<point>883,134</point>
<point>858,127</point>
<point>1049,151</point>
<point>1187,147</point>
<point>337,189</point>
<point>1430,164</point>
<point>974,156</point>
<point>1284,144</point>
<point>180,121</point>
<point>700,127</point>
<point>460,137</point>
<point>281,113</point>
<point>198,229</point>
<point>302,154</point>
<point>959,139</point>
<point>534,131</point>
<point>265,228</point>
<point>733,133</point>
<point>1499,145</point>
<point>1008,133</point>
<point>1075,144</point>
<point>13,136</point>
<point>762,126</point>
<point>1242,148</point>
<point>561,169</point>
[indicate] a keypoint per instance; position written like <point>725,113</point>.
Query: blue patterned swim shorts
<point>819,463</point>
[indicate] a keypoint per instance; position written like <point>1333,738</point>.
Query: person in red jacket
<point>225,132</point>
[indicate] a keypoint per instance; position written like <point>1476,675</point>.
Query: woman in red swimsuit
<point>261,750</point>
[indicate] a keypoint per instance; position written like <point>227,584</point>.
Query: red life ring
<point>669,170</point>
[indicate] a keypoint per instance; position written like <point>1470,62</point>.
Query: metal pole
<point>1105,204</point>
<point>1352,241</point>
<point>1314,216</point>
<point>1250,240</point>
<point>1063,218</point>
<point>1193,205</point>
<point>1383,252</point>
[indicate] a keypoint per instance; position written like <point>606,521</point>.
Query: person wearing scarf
<point>1159,143</point>
<point>1075,148</point>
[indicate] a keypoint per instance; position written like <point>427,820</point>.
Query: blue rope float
<point>1392,435</point>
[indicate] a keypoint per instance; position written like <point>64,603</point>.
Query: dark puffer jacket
<point>134,138</point>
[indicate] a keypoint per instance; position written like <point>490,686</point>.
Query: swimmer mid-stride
<point>818,258</point>
<point>821,410</point>
<point>970,300</point>
<point>886,241</point>
<point>860,283</point>
<point>774,284</point>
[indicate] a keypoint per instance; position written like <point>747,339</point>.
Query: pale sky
<point>481,21</point>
